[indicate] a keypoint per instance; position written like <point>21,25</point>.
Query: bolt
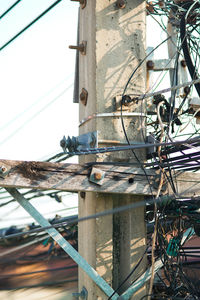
<point>97,176</point>
<point>150,64</point>
<point>183,63</point>
<point>84,96</point>
<point>121,4</point>
<point>81,47</point>
<point>3,169</point>
<point>126,100</point>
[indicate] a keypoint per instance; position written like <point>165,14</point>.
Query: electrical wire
<point>29,108</point>
<point>8,137</point>
<point>9,9</point>
<point>77,220</point>
<point>129,275</point>
<point>30,24</point>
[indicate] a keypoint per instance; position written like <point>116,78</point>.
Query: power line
<point>29,108</point>
<point>88,151</point>
<point>75,220</point>
<point>35,115</point>
<point>30,24</point>
<point>9,9</point>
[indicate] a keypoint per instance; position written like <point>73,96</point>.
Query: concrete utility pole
<point>114,35</point>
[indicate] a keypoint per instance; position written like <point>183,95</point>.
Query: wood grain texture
<point>74,177</point>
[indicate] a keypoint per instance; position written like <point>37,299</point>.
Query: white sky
<point>35,69</point>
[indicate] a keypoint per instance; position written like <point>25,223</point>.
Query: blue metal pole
<point>63,243</point>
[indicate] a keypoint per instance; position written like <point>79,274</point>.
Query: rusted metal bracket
<point>160,64</point>
<point>81,47</point>
<point>83,3</point>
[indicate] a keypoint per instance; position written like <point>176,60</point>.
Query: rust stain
<point>31,170</point>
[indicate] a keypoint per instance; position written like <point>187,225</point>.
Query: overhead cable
<point>134,147</point>
<point>90,217</point>
<point>9,9</point>
<point>30,24</point>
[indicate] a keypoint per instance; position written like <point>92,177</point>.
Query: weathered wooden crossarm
<point>76,177</point>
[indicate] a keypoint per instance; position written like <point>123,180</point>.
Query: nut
<point>97,176</point>
<point>3,169</point>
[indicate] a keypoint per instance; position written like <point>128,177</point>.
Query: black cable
<point>30,24</point>
<point>76,220</point>
<point>9,9</point>
<point>182,143</point>
<point>129,275</point>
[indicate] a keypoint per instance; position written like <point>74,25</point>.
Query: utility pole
<point>112,43</point>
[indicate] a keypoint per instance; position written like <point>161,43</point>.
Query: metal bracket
<point>79,143</point>
<point>83,294</point>
<point>97,176</point>
<point>160,64</point>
